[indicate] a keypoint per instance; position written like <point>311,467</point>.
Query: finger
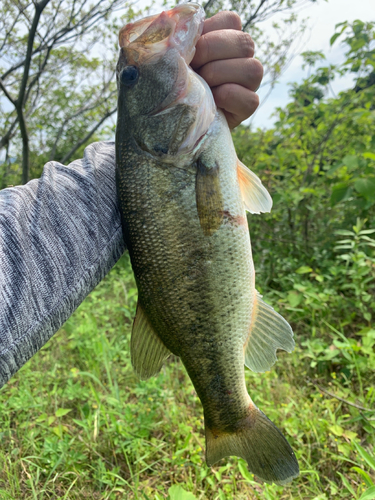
<point>237,102</point>
<point>245,72</point>
<point>222,21</point>
<point>223,44</point>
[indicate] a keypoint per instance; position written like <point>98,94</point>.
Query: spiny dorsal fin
<point>147,350</point>
<point>268,332</point>
<point>209,197</point>
<point>255,196</point>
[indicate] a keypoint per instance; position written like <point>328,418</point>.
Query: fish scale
<point>187,293</point>
<point>183,195</point>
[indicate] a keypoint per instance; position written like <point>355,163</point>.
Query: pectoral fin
<point>209,197</point>
<point>147,350</point>
<point>268,332</point>
<point>255,196</point>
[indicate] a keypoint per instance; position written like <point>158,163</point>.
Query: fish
<point>183,196</point>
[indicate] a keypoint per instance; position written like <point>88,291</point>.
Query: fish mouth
<point>178,28</point>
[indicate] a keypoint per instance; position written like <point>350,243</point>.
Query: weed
<point>76,423</point>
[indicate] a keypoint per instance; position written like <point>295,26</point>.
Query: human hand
<point>224,58</point>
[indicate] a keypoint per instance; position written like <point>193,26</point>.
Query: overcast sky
<point>322,20</point>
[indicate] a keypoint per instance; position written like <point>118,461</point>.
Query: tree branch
<point>20,11</point>
<point>4,141</point>
<point>87,137</point>
<point>208,4</point>
<point>39,7</point>
<point>359,407</point>
<point>37,76</point>
<point>19,103</point>
<point>25,145</point>
<point>75,115</point>
<point>60,37</point>
<point>2,87</point>
<point>253,16</point>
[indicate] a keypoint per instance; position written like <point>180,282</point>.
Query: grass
<point>76,423</point>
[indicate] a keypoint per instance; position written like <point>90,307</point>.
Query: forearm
<point>59,236</point>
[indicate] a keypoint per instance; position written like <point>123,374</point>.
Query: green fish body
<point>183,195</point>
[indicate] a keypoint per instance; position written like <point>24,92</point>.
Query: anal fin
<point>147,350</point>
<point>268,332</point>
<point>255,196</point>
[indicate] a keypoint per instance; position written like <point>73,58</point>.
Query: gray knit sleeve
<point>59,236</point>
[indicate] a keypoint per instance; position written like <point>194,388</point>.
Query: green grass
<point>76,423</point>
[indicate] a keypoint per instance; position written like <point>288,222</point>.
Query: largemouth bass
<point>183,195</point>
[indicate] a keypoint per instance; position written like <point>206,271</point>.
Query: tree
<point>319,163</point>
<point>50,80</point>
<point>57,60</point>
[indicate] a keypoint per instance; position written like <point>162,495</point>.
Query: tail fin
<point>260,443</point>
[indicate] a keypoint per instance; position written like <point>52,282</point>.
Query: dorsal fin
<point>255,196</point>
<point>268,332</point>
<point>147,350</point>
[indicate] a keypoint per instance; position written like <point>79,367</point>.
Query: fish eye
<point>129,76</point>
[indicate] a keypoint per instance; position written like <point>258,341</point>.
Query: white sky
<point>323,17</point>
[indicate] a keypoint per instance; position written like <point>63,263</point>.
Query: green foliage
<point>320,169</point>
<point>177,492</point>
